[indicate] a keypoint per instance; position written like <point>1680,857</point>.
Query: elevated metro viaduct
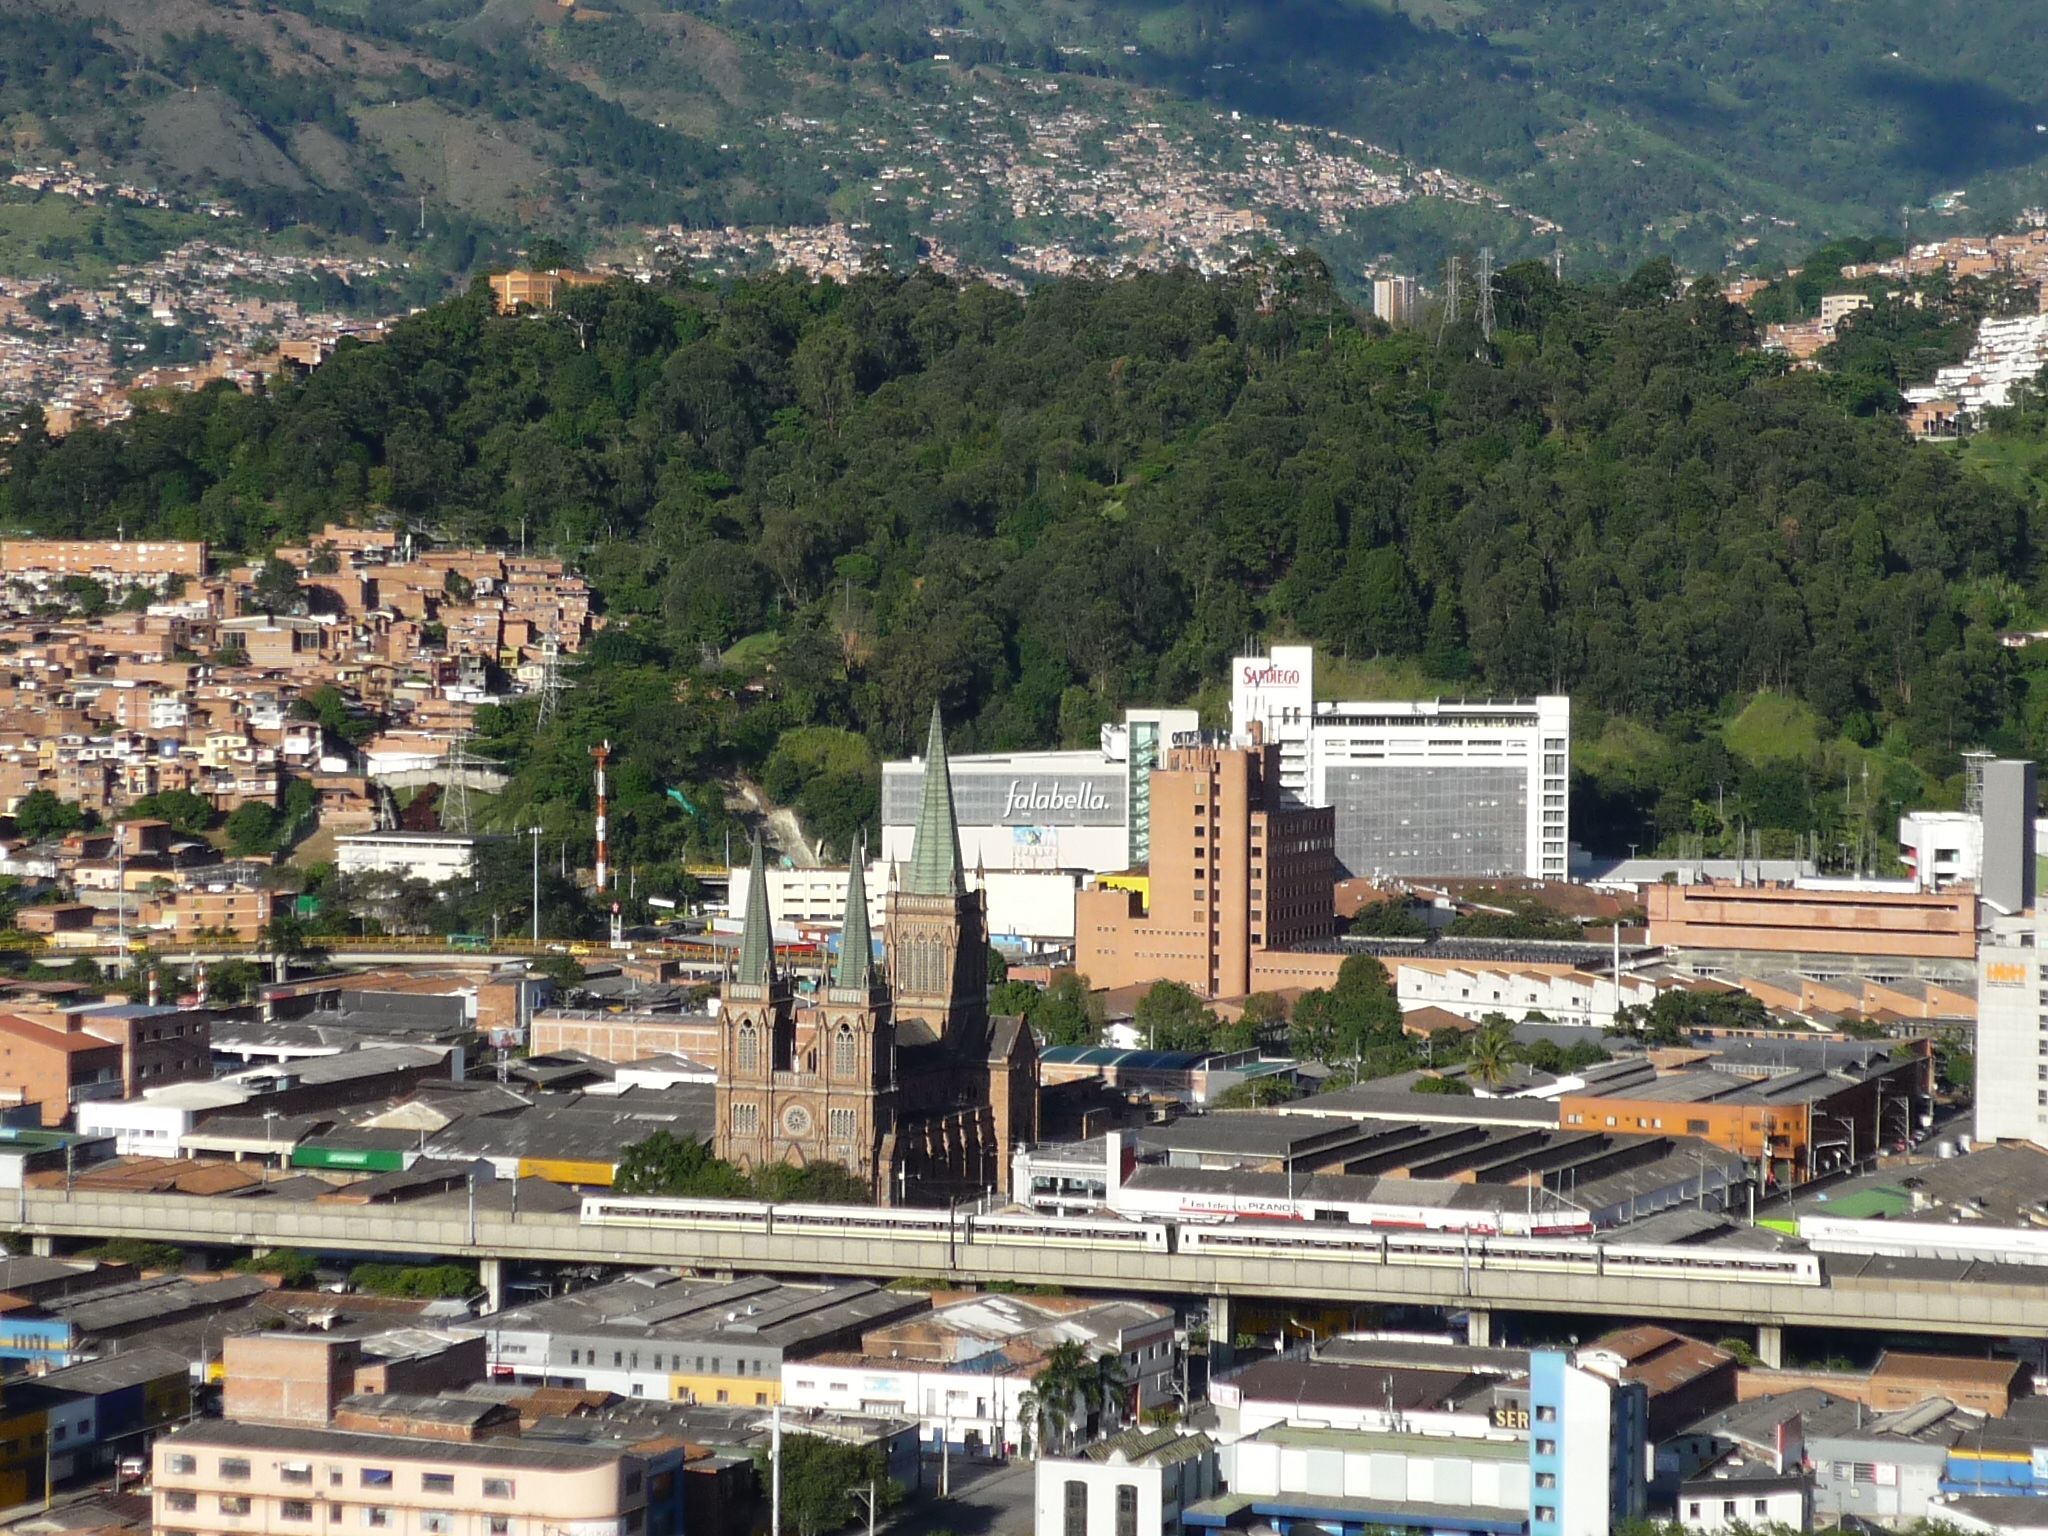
<point>1877,1295</point>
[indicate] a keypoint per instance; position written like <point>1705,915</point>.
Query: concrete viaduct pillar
<point>490,1273</point>
<point>1770,1345</point>
<point>1479,1327</point>
<point>1222,1335</point>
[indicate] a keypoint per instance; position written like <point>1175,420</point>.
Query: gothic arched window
<point>749,1053</point>
<point>845,1053</point>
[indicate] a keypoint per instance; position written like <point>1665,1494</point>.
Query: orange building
<point>1793,1122</point>
<point>1237,868</point>
<point>1783,920</point>
<point>52,1065</point>
<point>234,911</point>
<point>538,289</point>
<point>122,561</point>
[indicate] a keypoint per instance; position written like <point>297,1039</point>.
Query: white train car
<point>1103,1232</point>
<point>1569,1255</point>
<point>684,1215</point>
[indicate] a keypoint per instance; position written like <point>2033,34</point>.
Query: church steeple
<point>855,971</point>
<point>935,847</point>
<point>757,932</point>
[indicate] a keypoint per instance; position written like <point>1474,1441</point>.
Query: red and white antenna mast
<point>602,752</point>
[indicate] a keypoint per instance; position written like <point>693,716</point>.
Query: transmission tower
<point>455,795</point>
<point>1486,292</point>
<point>1447,316</point>
<point>550,682</point>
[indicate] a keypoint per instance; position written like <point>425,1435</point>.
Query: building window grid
<point>1074,1520</point>
<point>1126,1509</point>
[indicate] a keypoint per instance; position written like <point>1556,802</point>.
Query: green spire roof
<point>757,934</point>
<point>855,970</point>
<point>935,850</point>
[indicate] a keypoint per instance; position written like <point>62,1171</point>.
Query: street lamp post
<point>534,833</point>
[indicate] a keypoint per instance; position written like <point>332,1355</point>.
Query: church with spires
<point>896,1072</point>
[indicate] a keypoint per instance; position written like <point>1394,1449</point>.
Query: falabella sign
<point>1068,797</point>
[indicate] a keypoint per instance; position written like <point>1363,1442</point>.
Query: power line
<point>550,682</point>
<point>455,797</point>
<point>1447,316</point>
<point>1486,292</point>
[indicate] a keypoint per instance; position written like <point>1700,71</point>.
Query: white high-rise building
<point>1421,787</point>
<point>1397,300</point>
<point>2012,983</point>
<point>2012,1030</point>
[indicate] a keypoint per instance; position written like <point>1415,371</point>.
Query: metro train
<point>1234,1239</point>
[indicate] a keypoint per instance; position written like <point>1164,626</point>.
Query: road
<point>986,1501</point>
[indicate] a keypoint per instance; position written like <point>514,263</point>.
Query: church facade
<point>896,1072</point>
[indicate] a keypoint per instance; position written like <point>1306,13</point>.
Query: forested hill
<point>1040,509</point>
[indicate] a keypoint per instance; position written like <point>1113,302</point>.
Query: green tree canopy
<point>1171,1017</point>
<point>186,812</point>
<point>819,1479</point>
<point>667,1164</point>
<point>40,814</point>
<point>277,588</point>
<point>252,827</point>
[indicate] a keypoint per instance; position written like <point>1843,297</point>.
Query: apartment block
<point>114,562</point>
<point>1238,866</point>
<point>239,912</point>
<point>219,1478</point>
<point>54,1064</point>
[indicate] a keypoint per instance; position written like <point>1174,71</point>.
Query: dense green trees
<point>1340,1024</point>
<point>824,505</point>
<point>667,1164</point>
<point>821,1479</point>
<point>40,814</point>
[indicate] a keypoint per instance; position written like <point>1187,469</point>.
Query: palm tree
<point>1493,1045</point>
<point>1063,1383</point>
<point>1105,1389</point>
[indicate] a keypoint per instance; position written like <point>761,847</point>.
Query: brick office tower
<point>1238,867</point>
<point>904,1080</point>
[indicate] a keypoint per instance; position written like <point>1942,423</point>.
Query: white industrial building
<point>1085,812</point>
<point>1026,909</point>
<point>1945,848</point>
<point>1420,787</point>
<point>435,857</point>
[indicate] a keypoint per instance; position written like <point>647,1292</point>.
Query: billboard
<point>1011,795</point>
<point>1271,689</point>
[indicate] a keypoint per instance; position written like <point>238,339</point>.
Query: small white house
<point>1741,1492</point>
<point>143,1127</point>
<point>1142,1480</point>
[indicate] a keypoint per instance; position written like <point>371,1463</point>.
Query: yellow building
<point>24,1450</point>
<point>538,290</point>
